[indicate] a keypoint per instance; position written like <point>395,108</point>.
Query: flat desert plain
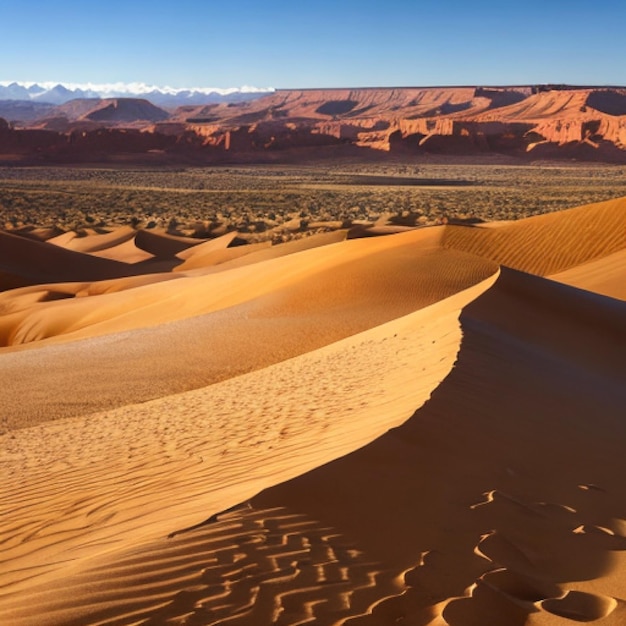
<point>426,427</point>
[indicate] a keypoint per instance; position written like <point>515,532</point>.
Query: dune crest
<point>549,243</point>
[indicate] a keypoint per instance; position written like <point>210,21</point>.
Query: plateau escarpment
<point>586,123</point>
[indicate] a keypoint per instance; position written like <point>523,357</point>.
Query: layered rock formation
<point>587,123</point>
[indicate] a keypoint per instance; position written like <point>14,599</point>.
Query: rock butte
<point>528,122</point>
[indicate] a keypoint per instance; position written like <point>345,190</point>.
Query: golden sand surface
<point>606,275</point>
<point>424,427</point>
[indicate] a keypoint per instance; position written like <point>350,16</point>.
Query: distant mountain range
<point>60,93</point>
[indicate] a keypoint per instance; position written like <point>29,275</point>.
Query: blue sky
<point>231,43</point>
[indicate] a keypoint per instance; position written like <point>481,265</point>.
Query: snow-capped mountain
<point>60,93</point>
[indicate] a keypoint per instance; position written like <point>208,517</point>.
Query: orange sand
<point>409,431</point>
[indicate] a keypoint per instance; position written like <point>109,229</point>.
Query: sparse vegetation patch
<point>273,202</point>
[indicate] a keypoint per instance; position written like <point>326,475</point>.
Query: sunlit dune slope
<point>203,247</point>
<point>126,252</point>
<point>141,466</point>
<point>94,242</point>
<point>163,245</point>
<point>245,319</point>
<point>233,257</point>
<point>213,252</point>
<point>212,258</point>
<point>606,275</point>
<point>118,245</point>
<point>167,301</point>
<point>549,243</point>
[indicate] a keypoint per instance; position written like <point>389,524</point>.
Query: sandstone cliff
<point>586,123</point>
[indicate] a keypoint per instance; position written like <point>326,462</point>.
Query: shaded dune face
<point>416,428</point>
<point>31,262</point>
<point>513,402</point>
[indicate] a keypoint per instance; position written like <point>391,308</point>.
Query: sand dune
<point>550,243</point>
<point>213,257</point>
<point>237,424</point>
<point>126,252</point>
<point>28,262</point>
<point>265,253</point>
<point>117,245</point>
<point>163,245</point>
<point>521,531</point>
<point>606,275</point>
<point>523,539</point>
<point>396,429</point>
<point>219,243</point>
<point>337,291</point>
<point>162,302</point>
<point>93,242</point>
<point>39,233</point>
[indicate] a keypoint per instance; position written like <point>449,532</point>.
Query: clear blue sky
<point>230,43</point>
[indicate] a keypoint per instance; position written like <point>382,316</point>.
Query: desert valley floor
<point>423,427</point>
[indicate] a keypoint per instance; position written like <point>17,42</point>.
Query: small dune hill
<point>162,244</point>
<point>549,243</point>
<point>128,252</point>
<point>313,276</point>
<point>33,262</point>
<point>93,242</point>
<point>217,259</point>
<point>204,247</point>
<point>38,233</point>
<point>255,253</point>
